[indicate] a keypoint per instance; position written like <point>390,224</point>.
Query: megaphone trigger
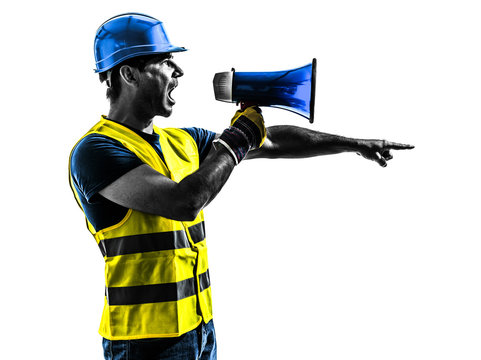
<point>245,104</point>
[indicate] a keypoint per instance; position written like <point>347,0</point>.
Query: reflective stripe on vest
<point>156,269</point>
<point>151,242</point>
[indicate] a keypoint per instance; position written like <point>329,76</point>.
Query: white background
<point>325,258</point>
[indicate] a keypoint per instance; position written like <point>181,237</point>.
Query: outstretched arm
<point>287,141</point>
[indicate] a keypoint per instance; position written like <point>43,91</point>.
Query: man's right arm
<point>144,189</point>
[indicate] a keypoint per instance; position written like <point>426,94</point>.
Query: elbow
<point>189,213</point>
<point>187,202</point>
<point>187,210</point>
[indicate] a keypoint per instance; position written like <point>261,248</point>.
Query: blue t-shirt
<point>98,160</point>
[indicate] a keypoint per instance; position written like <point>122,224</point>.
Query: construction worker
<point>143,188</point>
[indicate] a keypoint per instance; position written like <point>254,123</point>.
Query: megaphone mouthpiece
<point>223,86</point>
<point>292,90</point>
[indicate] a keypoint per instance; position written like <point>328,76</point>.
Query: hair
<point>139,62</point>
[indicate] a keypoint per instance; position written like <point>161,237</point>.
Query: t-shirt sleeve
<point>97,161</point>
<point>203,139</point>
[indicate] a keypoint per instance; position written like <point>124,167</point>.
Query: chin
<point>166,111</point>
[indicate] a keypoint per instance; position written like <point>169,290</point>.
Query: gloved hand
<point>246,132</point>
<point>251,122</point>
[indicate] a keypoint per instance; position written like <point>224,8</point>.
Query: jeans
<point>198,344</point>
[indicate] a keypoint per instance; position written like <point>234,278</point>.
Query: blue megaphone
<point>292,90</point>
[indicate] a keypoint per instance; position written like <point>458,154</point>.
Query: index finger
<point>397,146</point>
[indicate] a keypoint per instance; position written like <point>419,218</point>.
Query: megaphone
<point>292,90</point>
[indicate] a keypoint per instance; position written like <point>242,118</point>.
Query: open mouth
<point>169,93</point>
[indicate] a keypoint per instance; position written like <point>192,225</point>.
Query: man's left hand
<point>380,150</point>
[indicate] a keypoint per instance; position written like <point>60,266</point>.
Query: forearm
<point>145,189</point>
<point>286,141</point>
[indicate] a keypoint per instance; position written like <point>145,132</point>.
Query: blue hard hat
<point>128,35</point>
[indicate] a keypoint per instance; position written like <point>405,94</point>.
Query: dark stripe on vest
<point>144,243</point>
<point>144,294</point>
<point>204,280</point>
<point>197,232</point>
<point>169,240</point>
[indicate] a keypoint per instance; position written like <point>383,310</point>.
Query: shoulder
<point>96,151</point>
<point>98,160</point>
<point>97,145</point>
<point>95,141</point>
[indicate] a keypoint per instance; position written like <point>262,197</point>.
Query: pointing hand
<point>380,150</point>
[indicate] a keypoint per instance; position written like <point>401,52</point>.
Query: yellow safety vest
<point>156,270</point>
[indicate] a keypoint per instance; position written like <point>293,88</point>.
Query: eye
<point>167,62</point>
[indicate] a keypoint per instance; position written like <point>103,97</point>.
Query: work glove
<point>246,132</point>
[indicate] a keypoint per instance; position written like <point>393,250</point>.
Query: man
<point>143,188</point>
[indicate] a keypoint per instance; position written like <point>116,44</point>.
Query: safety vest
<point>156,270</point>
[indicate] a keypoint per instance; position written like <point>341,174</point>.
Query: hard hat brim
<point>106,65</point>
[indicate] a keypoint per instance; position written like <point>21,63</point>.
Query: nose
<point>177,70</point>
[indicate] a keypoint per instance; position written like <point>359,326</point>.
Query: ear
<point>129,75</point>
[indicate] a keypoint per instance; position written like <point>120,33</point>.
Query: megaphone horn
<point>292,90</point>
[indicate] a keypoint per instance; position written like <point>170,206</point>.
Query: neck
<point>128,114</point>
